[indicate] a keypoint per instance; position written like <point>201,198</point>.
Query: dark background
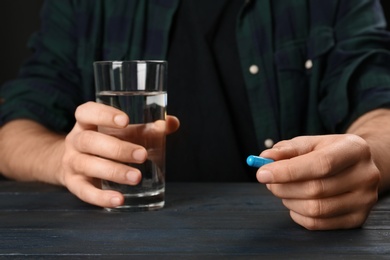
<point>19,18</point>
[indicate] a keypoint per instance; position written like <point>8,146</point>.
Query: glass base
<point>141,202</point>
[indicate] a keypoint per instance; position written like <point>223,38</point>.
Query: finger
<point>333,206</point>
<point>100,168</point>
<point>306,144</point>
<point>95,114</point>
<point>173,124</point>
<point>138,133</point>
<point>135,133</point>
<point>109,147</point>
<point>287,149</point>
<point>347,221</point>
<point>315,157</point>
<point>347,180</point>
<point>87,192</point>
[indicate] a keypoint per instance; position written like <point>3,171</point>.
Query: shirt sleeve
<point>47,89</point>
<point>357,78</point>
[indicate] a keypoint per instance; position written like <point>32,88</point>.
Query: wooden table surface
<point>205,220</point>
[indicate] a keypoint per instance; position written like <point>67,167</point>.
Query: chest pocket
<point>300,66</point>
<point>294,56</point>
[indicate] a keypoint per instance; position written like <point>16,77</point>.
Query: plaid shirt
<point>310,66</point>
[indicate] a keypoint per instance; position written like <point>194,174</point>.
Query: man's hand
<point>90,156</point>
<point>327,182</point>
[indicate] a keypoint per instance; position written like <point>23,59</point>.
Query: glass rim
<point>104,62</point>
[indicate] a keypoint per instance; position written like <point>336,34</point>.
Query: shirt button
<point>253,69</point>
<point>268,143</point>
<point>308,64</point>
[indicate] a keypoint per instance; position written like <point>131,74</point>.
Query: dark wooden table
<point>199,220</point>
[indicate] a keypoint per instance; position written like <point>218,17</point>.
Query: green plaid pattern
<point>321,64</point>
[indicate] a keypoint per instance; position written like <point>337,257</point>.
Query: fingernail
<point>115,201</point>
<point>120,120</point>
<point>139,155</point>
<point>265,176</point>
<point>132,177</point>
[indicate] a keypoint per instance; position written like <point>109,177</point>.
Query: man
<point>309,76</point>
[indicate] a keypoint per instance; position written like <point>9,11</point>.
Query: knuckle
<point>315,188</point>
<point>79,166</point>
<point>112,173</point>
<point>78,112</point>
<point>373,181</point>
<point>325,164</point>
<point>84,140</point>
<point>314,208</point>
<point>118,151</point>
<point>284,143</point>
<point>360,144</point>
<point>368,201</point>
<point>311,224</point>
<point>357,219</point>
<point>288,145</point>
<point>290,172</point>
<point>306,222</point>
<point>72,165</point>
<point>80,109</point>
<point>373,176</point>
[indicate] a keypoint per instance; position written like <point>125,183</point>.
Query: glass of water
<point>139,89</point>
